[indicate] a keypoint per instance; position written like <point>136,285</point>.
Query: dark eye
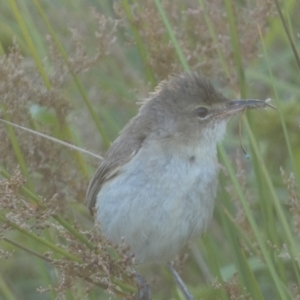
<point>201,112</point>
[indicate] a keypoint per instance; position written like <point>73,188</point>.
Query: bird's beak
<point>236,106</point>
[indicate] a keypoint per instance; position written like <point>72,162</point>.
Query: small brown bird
<point>157,184</point>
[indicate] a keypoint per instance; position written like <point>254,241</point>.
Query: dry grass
<point>113,57</point>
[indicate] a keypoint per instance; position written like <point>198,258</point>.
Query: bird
<point>156,186</point>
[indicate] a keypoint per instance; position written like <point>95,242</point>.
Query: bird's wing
<point>120,153</point>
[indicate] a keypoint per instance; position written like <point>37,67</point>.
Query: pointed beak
<point>236,106</point>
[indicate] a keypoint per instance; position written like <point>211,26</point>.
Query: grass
<point>73,70</point>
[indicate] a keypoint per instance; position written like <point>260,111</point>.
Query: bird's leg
<point>144,291</point>
<point>183,287</point>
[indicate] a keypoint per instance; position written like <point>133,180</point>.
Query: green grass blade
<point>5,290</point>
<point>58,218</point>
<point>288,35</point>
<point>213,35</point>
<point>41,240</point>
<point>29,42</point>
<point>18,152</point>
<point>236,47</point>
<point>140,46</point>
<point>279,105</point>
<point>77,83</point>
<point>172,36</point>
<point>256,231</point>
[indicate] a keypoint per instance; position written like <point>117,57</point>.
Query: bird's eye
<point>201,112</point>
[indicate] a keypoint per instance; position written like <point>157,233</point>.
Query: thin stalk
<point>5,290</point>
<point>139,42</point>
<point>43,257</point>
<point>236,47</point>
<point>242,85</point>
<point>33,50</point>
<point>283,220</point>
<point>79,86</point>
<point>172,36</point>
<point>260,240</point>
<point>281,116</point>
<point>30,43</point>
<point>18,152</point>
<point>213,35</point>
<point>125,286</point>
<point>41,240</point>
<point>290,39</point>
<point>58,218</point>
<point>76,154</point>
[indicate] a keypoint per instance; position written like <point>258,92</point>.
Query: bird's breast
<point>159,200</point>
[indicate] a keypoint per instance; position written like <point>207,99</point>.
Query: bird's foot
<point>183,287</point>
<point>144,291</point>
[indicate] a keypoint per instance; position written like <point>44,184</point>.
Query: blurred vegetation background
<point>74,70</point>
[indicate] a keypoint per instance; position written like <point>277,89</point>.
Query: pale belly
<point>158,205</point>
